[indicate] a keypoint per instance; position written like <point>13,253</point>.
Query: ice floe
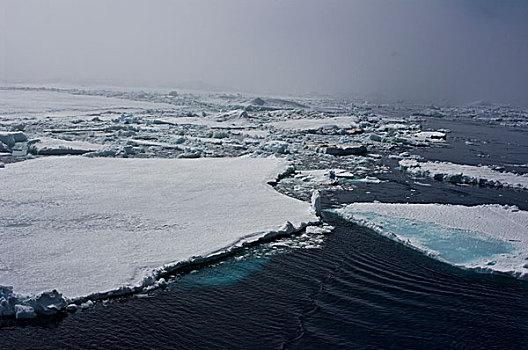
<point>99,226</point>
<point>313,125</point>
<point>338,150</point>
<point>55,147</point>
<point>466,174</point>
<point>489,238</point>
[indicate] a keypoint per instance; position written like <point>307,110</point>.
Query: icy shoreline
<point>130,222</point>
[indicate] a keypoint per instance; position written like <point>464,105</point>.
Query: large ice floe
<point>468,174</point>
<point>98,226</point>
<point>488,238</point>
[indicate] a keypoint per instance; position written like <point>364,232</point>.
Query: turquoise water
<point>235,268</point>
<point>226,273</point>
<point>455,246</point>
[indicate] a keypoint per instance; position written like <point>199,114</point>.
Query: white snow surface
<point>490,238</point>
<point>305,124</point>
<point>86,226</point>
<point>210,122</point>
<point>40,104</point>
<point>461,173</point>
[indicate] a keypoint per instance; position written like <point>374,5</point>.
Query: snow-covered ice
<point>10,138</point>
<point>460,173</point>
<point>490,238</point>
<point>85,226</point>
<point>305,124</point>
<point>44,103</point>
<point>50,146</point>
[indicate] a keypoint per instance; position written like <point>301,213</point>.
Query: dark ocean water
<point>358,290</point>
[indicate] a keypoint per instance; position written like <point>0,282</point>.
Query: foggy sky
<point>457,51</point>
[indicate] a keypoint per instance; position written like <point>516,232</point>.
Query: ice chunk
<point>313,125</point>
<point>255,134</point>
<point>127,119</point>
<point>220,135</point>
<point>431,135</point>
<point>236,114</point>
<point>88,304</point>
<point>7,301</point>
<point>72,307</point>
<point>24,312</point>
<point>397,126</point>
<point>338,150</point>
<point>459,173</point>
<point>331,176</point>
<point>276,146</point>
<point>11,137</point>
<point>316,202</point>
<point>89,226</point>
<point>49,146</point>
<point>323,229</point>
<point>191,153</point>
<point>49,303</point>
<point>6,307</point>
<point>469,237</point>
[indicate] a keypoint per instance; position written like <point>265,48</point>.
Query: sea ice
<point>312,125</point>
<point>276,146</point>
<point>96,226</point>
<point>338,150</point>
<point>489,238</point>
<point>48,146</point>
<point>316,202</point>
<point>9,138</point>
<point>24,312</point>
<point>17,103</point>
<point>431,135</point>
<point>331,176</point>
<point>460,173</point>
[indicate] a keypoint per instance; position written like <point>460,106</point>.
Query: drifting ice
<point>96,226</point>
<point>459,173</point>
<point>489,238</point>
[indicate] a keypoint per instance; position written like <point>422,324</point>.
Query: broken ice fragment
<point>316,202</point>
<point>49,303</point>
<point>460,173</point>
<point>24,312</point>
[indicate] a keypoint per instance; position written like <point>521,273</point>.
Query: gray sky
<point>433,50</point>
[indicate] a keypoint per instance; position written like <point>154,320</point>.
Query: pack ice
<point>94,226</point>
<point>490,238</point>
